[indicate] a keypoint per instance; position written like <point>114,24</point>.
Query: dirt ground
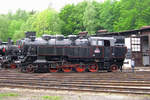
<point>27,94</point>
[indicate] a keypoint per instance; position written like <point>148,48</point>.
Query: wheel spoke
<point>30,68</point>
<point>114,68</point>
<point>80,68</point>
<point>67,68</point>
<point>13,66</point>
<point>53,70</point>
<point>93,67</point>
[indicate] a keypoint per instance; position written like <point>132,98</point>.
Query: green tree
<point>89,18</point>
<point>43,22</point>
<point>109,13</point>
<point>133,15</point>
<point>16,21</point>
<point>46,21</point>
<point>66,16</point>
<point>89,15</point>
<point>14,26</point>
<point>72,17</point>
<point>4,22</point>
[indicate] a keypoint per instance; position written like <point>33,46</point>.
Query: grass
<point>51,97</point>
<point>2,95</point>
<point>146,95</point>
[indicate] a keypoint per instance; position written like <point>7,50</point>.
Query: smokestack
<point>30,33</point>
<point>10,42</point>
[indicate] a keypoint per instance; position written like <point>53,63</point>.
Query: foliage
<point>89,15</point>
<point>45,22</point>
<point>109,12</point>
<point>4,28</point>
<point>72,17</point>
<point>89,18</point>
<point>17,20</point>
<point>133,14</point>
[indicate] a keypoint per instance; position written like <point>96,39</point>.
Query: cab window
<point>106,43</point>
<point>99,43</point>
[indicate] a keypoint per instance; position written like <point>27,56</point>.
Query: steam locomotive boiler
<point>72,53</point>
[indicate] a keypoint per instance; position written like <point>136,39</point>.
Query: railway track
<point>138,83</point>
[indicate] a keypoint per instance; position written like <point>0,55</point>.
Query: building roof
<point>125,33</point>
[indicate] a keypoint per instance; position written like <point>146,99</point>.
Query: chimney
<point>10,42</point>
<point>30,33</point>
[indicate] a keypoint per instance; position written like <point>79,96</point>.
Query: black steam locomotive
<point>72,53</point>
<point>8,54</point>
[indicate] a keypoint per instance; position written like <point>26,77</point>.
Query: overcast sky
<point>13,5</point>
